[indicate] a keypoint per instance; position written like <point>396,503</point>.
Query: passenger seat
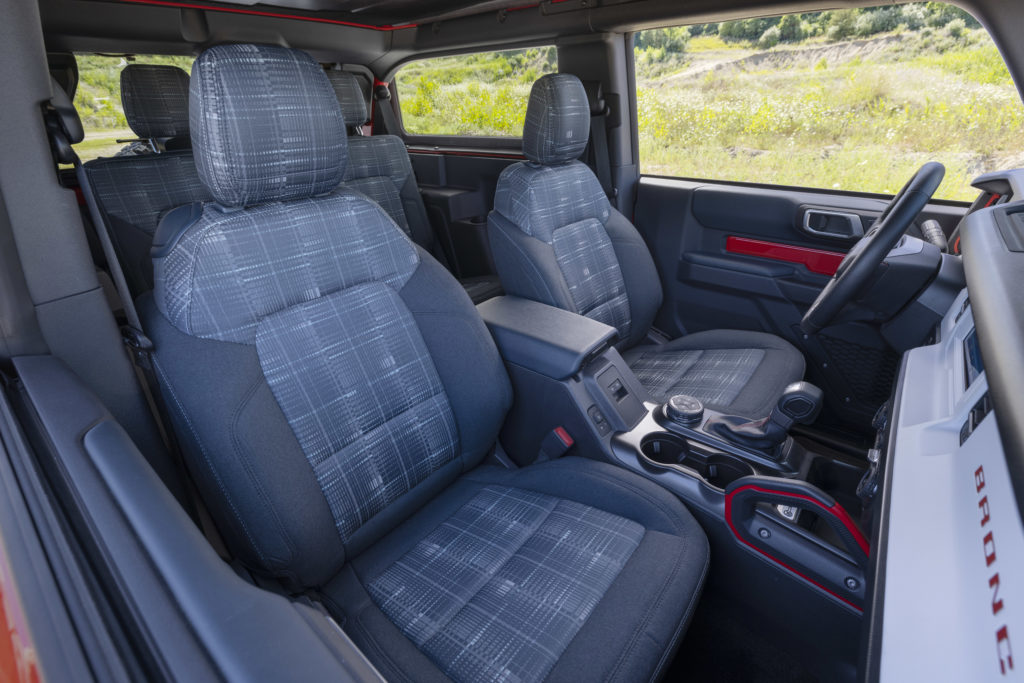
<point>380,168</point>
<point>134,191</point>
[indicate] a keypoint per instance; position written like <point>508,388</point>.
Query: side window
<point>482,94</point>
<point>98,101</point>
<point>852,99</point>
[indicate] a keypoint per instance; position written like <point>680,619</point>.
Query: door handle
<point>833,224</point>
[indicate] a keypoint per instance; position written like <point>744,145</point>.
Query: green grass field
<point>862,115</point>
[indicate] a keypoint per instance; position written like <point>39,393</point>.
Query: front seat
<point>556,239</point>
<point>335,393</point>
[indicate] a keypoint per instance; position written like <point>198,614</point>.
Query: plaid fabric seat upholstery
<point>557,239</point>
<point>336,392</point>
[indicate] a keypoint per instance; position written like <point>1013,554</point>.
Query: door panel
<point>458,190</point>
<point>741,257</point>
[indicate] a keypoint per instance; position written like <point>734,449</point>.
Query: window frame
<point>426,142</point>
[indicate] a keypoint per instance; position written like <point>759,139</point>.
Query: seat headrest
<point>265,125</point>
<point>557,120</point>
<point>350,97</point>
<point>155,100</point>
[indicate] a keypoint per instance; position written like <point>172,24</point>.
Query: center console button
<point>684,410</point>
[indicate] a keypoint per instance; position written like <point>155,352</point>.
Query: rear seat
<point>380,168</point>
<point>155,102</point>
<point>135,191</point>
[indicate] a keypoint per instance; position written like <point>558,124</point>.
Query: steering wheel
<point>863,259</point>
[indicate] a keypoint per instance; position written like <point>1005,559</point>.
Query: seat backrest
<point>135,191</point>
<point>155,102</point>
<point>314,357</point>
<point>555,236</point>
<point>379,165</point>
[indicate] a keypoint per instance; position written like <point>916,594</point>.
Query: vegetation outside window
<point>853,99</point>
<point>98,101</point>
<point>482,94</point>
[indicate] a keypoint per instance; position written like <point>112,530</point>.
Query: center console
<point>783,519</point>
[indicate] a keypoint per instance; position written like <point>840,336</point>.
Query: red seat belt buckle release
<point>555,444</point>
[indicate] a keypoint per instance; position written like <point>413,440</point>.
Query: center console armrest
<point>542,338</point>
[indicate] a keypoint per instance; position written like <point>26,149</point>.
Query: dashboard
<point>949,597</point>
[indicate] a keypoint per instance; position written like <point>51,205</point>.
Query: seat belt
<point>382,102</point>
<point>600,160</point>
<point>140,349</point>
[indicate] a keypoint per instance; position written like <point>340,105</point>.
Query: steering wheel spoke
<point>863,259</point>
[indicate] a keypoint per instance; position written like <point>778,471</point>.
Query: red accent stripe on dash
<point>836,509</point>
<point>816,260</point>
<point>262,13</point>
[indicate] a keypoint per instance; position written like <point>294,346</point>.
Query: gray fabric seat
<point>134,191</point>
<point>557,239</point>
<point>380,168</point>
<point>335,393</point>
<point>155,102</point>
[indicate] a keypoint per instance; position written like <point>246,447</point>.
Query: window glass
<point>98,101</point>
<point>853,99</point>
<point>477,94</point>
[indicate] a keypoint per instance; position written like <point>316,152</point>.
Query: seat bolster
<point>527,265</point>
<point>244,457</point>
<point>639,274</point>
<point>457,338</point>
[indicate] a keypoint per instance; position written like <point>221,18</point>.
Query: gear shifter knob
<point>800,403</point>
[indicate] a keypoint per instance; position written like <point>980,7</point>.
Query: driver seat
<point>556,239</point>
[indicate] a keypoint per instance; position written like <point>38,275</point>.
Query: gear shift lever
<point>800,402</point>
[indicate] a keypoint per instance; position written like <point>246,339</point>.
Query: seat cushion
<point>732,371</point>
<point>572,569</point>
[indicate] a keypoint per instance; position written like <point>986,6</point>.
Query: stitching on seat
<point>659,598</point>
<point>684,622</point>
<point>371,642</point>
<point>254,480</point>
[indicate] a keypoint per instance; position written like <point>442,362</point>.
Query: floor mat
<point>721,646</point>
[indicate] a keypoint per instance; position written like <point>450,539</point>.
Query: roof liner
<point>385,15</point>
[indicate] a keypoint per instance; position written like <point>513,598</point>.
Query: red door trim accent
<point>815,260</point>
<point>836,509</point>
<point>263,13</point>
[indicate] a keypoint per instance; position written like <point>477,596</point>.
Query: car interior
<point>293,393</point>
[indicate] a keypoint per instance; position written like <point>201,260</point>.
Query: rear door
<point>768,146</point>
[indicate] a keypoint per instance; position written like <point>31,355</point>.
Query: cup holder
<point>670,451</point>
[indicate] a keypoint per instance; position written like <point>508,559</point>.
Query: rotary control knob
<point>684,410</point>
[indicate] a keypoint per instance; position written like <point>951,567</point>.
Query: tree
<point>791,29</point>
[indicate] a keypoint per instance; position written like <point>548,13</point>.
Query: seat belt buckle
<point>555,444</point>
<point>136,339</point>
<point>139,345</point>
